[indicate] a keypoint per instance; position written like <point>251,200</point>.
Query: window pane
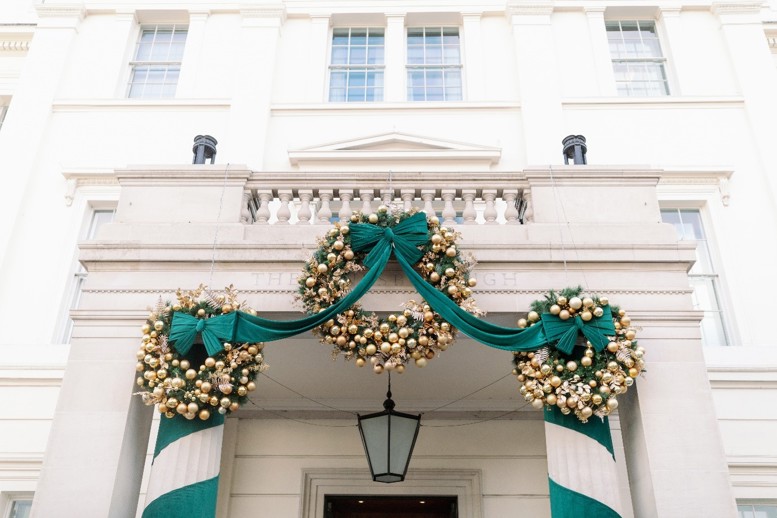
<point>433,55</point>
<point>337,95</point>
<point>415,55</point>
<point>644,73</point>
<point>375,37</point>
<point>164,45</point>
<point>337,79</point>
<point>415,36</point>
<point>358,36</point>
<point>452,56</point>
<point>356,79</point>
<point>20,509</point>
<point>339,55</point>
<point>358,56</point>
<point>429,50</point>
<point>340,36</point>
<point>375,55</point>
<point>433,36</point>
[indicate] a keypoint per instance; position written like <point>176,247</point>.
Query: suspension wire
<point>306,397</point>
<point>218,225</point>
<point>471,422</point>
<point>281,416</point>
<point>470,394</point>
<point>565,219</point>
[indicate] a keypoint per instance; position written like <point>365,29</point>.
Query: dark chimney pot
<point>204,148</point>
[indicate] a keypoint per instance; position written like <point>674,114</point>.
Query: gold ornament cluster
<point>416,333</point>
<point>220,383</point>
<point>588,384</point>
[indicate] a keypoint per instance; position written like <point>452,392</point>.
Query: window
<point>703,277</point>
<point>356,70</point>
<point>3,110</point>
<point>433,64</point>
<point>637,60</point>
<point>157,62</point>
<point>757,511</point>
<point>99,218</point>
<point>20,508</point>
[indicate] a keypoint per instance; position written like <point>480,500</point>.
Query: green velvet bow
<point>597,330</point>
<point>214,331</point>
<point>405,237</point>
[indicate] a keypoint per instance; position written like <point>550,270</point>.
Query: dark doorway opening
<point>390,506</point>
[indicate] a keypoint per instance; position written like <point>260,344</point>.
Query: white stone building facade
<point>324,107</point>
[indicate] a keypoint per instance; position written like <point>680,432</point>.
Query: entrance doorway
<point>390,507</point>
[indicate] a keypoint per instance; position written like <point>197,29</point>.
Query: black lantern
<point>389,438</point>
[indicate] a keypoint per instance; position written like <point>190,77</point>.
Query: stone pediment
<point>395,147</point>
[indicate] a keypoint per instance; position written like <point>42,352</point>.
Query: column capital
<point>263,14</point>
<point>539,8</point>
<point>736,12</point>
<point>60,15</point>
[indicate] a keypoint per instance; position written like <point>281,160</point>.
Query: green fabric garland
<point>379,242</point>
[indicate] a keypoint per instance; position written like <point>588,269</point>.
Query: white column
<point>191,64</point>
<point>473,57</point>
<point>258,42</point>
<point>316,74</point>
<point>674,49</point>
<point>395,77</point>
<point>28,116</point>
<point>538,81</point>
<point>753,64</point>
<point>601,51</point>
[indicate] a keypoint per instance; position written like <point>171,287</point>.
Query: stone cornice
<point>14,45</point>
<point>93,178</point>
<point>535,8</point>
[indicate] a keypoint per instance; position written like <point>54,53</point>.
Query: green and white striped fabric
<point>581,467</point>
<point>185,473</point>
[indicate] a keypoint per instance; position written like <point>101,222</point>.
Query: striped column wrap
<point>185,471</point>
<point>581,467</point>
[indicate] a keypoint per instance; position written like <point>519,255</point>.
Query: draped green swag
<point>379,243</point>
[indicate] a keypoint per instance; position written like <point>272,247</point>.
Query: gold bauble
<point>360,362</point>
<point>428,316</point>
<point>377,368</point>
<point>452,290</point>
<point>371,349</point>
<point>585,361</point>
<point>395,348</point>
<point>434,277</point>
<point>522,323</point>
<point>219,365</point>
<point>612,403</point>
<point>403,332</point>
<point>612,347</point>
<point>393,338</point>
<point>533,316</point>
<point>182,408</point>
<point>596,399</point>
<point>353,329</point>
<point>633,372</point>
<point>401,320</point>
<point>145,329</point>
<point>451,251</point>
<point>310,282</point>
<point>555,381</point>
<point>234,406</point>
<point>450,272</point>
<point>631,334</point>
<point>226,308</point>
<point>604,390</point>
<point>551,399</point>
<point>159,325</point>
<point>572,401</point>
<point>191,374</point>
<point>253,350</point>
<point>377,336</point>
<point>206,386</point>
<point>537,404</point>
<point>251,386</point>
<point>225,402</point>
<point>563,314</point>
<point>612,366</point>
<point>348,254</point>
<point>242,391</point>
<point>420,362</point>
<point>344,229</point>
<point>192,407</point>
<point>586,315</point>
<point>604,301</point>
<point>209,363</point>
<point>546,369</point>
<point>555,309</point>
<point>423,340</point>
<point>204,414</point>
<point>331,257</point>
<point>372,218</point>
<point>571,366</point>
<point>213,401</point>
<point>561,301</point>
<point>586,412</point>
<point>598,312</point>
<point>384,328</point>
<point>575,303</point>
<point>322,268</point>
<point>184,365</point>
<point>338,245</point>
<point>472,282</point>
<point>140,367</point>
<point>200,312</point>
<point>385,347</point>
<point>436,239</point>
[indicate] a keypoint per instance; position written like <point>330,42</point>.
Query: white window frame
<point>349,67</point>
<point>707,191</point>
<point>8,499</point>
<point>661,60</point>
<point>409,67</point>
<point>169,65</point>
<point>753,503</point>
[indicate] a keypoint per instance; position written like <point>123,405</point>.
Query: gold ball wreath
<point>588,384</point>
<point>221,383</point>
<point>417,332</point>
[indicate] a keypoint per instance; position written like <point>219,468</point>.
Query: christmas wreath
<point>580,374</point>
<point>416,332</point>
<point>195,379</point>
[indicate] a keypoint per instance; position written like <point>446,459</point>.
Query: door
<point>390,507</point>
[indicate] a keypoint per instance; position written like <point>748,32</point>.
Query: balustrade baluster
<point>448,212</point>
<point>528,214</point>
<point>284,211</point>
<point>408,195</point>
<point>346,195</point>
<point>366,196</point>
<point>470,214</point>
<point>511,212</point>
<point>428,197</point>
<point>263,213</point>
<point>245,212</point>
<point>387,196</point>
<point>304,214</point>
<point>490,212</point>
<point>325,211</point>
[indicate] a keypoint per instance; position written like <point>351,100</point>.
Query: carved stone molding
<point>14,45</point>
<point>75,180</point>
